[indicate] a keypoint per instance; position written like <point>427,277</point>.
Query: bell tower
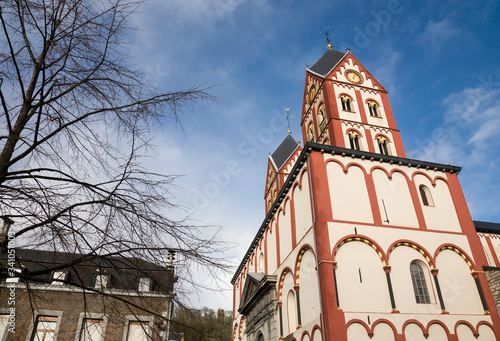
<point>345,106</point>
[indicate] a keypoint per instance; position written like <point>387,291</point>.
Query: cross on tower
<point>288,119</point>
<point>327,36</point>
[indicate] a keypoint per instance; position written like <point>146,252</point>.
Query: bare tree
<point>75,126</point>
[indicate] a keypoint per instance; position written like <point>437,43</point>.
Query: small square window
<point>101,281</point>
<point>58,277</point>
<point>144,284</point>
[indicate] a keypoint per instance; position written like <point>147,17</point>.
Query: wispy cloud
<point>436,33</point>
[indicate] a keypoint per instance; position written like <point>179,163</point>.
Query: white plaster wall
<point>291,311</point>
<point>436,333</point>
<point>348,194</point>
<point>370,295</point>
<point>397,199</point>
<point>271,249</point>
<point>377,121</point>
<point>285,230</point>
<point>414,333</point>
<point>464,333</point>
<point>404,296</point>
<point>382,332</point>
<point>309,289</point>
<point>443,215</point>
<point>458,287</point>
<point>349,64</point>
<point>317,335</point>
<point>485,333</point>
<point>357,332</point>
<point>353,115</point>
<point>302,208</point>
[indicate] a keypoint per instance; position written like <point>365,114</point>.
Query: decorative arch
<point>468,324</point>
<point>441,323</point>
<point>460,252</point>
<point>235,330</point>
<point>415,246</point>
<point>348,130</point>
<point>299,260</point>
<point>366,240</point>
<point>304,334</point>
<point>313,330</point>
<point>386,321</point>
<point>240,333</point>
<point>280,285</point>
<point>361,322</point>
<point>344,168</point>
<point>425,331</point>
<point>382,135</point>
<point>373,100</point>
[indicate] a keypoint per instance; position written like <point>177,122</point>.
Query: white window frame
<point>97,316</point>
<point>59,275</point>
<point>98,283</point>
<point>135,318</point>
<point>144,286</point>
<point>54,313</point>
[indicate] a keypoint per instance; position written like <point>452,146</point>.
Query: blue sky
<point>438,60</point>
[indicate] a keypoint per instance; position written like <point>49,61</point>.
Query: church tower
<point>359,242</point>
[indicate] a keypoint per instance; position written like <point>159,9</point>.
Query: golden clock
<point>353,77</point>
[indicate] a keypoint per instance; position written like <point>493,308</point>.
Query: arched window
<point>321,116</point>
<point>373,108</point>
<point>425,193</point>
<point>312,93</point>
<point>292,312</point>
<point>310,132</point>
<point>261,337</point>
<point>382,145</point>
<point>346,103</point>
<point>419,283</point>
<point>354,139</point>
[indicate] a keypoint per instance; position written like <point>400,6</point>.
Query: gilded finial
<point>288,120</point>
<point>327,37</point>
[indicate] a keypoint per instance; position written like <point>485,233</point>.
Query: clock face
<point>353,77</point>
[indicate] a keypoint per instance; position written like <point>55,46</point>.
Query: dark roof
<point>125,272</point>
<point>283,152</point>
<point>484,226</point>
<point>327,62</point>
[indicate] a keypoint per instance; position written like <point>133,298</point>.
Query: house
<point>360,242</point>
<point>68,296</point>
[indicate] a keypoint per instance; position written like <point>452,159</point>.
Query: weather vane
<point>288,119</point>
<point>327,36</point>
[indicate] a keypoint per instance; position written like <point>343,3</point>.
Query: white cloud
<point>436,33</point>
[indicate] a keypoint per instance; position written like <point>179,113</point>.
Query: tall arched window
<point>419,283</point>
<point>425,193</point>
<point>321,116</point>
<point>310,132</point>
<point>354,139</point>
<point>373,108</point>
<point>382,145</point>
<point>312,93</point>
<point>346,103</point>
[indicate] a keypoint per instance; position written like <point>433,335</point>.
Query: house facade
<point>64,296</point>
<point>360,242</point>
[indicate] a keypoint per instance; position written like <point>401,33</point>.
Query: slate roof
<point>327,61</point>
<point>283,152</point>
<point>125,271</point>
<point>487,227</point>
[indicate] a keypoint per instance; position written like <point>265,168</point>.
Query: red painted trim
<point>468,324</point>
<point>361,107</point>
<point>300,255</point>
<point>442,324</point>
<point>372,195</point>
<point>383,135</point>
<point>304,335</point>
<point>313,330</point>
<point>369,141</point>
<point>427,254</point>
<point>360,238</point>
<point>418,323</point>
<point>361,322</point>
<point>393,327</point>
<point>334,319</point>
<point>492,250</point>
<point>475,244</point>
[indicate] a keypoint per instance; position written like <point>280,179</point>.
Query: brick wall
<point>73,303</point>
<point>493,276</point>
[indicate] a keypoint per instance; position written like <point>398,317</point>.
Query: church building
<point>360,242</point>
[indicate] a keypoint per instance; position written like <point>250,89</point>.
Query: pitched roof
<point>487,227</point>
<point>283,152</point>
<point>327,62</point>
